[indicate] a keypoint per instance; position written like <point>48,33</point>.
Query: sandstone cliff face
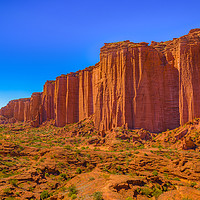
<point>189,73</point>
<point>185,57</point>
<point>133,88</point>
<point>134,85</point>
<point>15,109</point>
<point>72,99</point>
<point>66,99</point>
<point>60,100</point>
<point>35,103</point>
<point>85,94</point>
<point>48,108</point>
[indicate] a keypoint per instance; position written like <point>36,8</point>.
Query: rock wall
<point>60,100</point>
<point>15,109</point>
<point>136,88</point>
<point>136,85</point>
<point>48,108</point>
<point>67,99</point>
<point>72,99</point>
<point>85,94</point>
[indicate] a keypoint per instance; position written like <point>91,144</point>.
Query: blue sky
<point>42,39</point>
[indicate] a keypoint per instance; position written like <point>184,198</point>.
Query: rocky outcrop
<point>188,143</point>
<point>135,85</point>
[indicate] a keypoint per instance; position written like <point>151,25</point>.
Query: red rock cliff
<point>48,108</point>
<point>153,87</point>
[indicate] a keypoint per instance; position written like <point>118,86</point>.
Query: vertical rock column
<point>16,109</point>
<point>110,109</point>
<point>27,116</point>
<point>85,94</point>
<point>130,87</point>
<point>72,99</point>
<point>148,89</point>
<point>60,100</point>
<point>48,100</point>
<point>35,105</point>
<point>128,92</point>
<point>189,80</point>
<point>21,110</point>
<point>171,88</point>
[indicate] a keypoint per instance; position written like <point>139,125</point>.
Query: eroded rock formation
<point>136,85</point>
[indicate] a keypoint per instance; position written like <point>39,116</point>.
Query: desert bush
<point>146,191</point>
<point>13,182</point>
<point>63,175</point>
<point>155,173</point>
<point>78,170</point>
<point>157,192</point>
<point>129,198</point>
<point>74,196</point>
<point>91,178</point>
<point>98,196</point>
<point>193,184</point>
<point>44,195</point>
<point>177,179</point>
<point>72,190</point>
<point>7,191</point>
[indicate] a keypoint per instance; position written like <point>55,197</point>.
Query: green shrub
<point>157,192</point>
<point>78,170</point>
<point>155,173</point>
<point>78,151</point>
<point>146,191</point>
<point>72,190</point>
<point>68,147</point>
<point>13,182</point>
<point>47,174</point>
<point>7,191</point>
<point>31,188</point>
<point>36,157</point>
<point>98,196</point>
<point>44,195</point>
<point>10,198</point>
<point>64,176</point>
<point>193,184</point>
<point>91,178</point>
<point>177,179</point>
<point>63,189</point>
<point>129,198</point>
<point>74,196</point>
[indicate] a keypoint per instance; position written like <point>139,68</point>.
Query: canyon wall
<point>136,85</point>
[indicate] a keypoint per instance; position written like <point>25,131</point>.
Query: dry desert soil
<point>79,162</point>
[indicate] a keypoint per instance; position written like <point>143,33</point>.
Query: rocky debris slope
<point>155,87</point>
<point>78,161</point>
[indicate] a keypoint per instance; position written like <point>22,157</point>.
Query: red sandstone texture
<point>134,85</point>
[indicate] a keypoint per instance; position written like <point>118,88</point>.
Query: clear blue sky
<point>42,39</point>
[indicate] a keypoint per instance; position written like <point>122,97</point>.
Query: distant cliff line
<point>155,87</point>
